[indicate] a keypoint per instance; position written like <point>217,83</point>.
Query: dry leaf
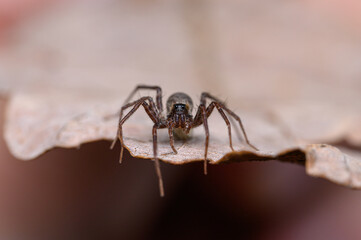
<point>67,83</point>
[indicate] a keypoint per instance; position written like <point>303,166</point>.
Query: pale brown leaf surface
<point>69,70</point>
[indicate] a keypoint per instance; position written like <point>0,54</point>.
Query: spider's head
<point>180,108</point>
<point>179,103</point>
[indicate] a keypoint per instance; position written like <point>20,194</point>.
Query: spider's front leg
<point>149,108</point>
<point>156,160</point>
<point>209,111</point>
<point>201,118</point>
<point>153,113</point>
<point>221,106</point>
<point>171,138</point>
<point>205,124</point>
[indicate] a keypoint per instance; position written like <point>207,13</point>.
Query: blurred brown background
<point>85,194</point>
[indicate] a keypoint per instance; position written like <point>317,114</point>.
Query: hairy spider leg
<point>156,160</point>
<point>238,119</point>
<point>230,112</point>
<point>150,110</point>
<point>205,124</point>
<point>225,118</point>
<point>198,121</point>
<point>201,118</point>
<point>171,138</point>
<point>153,114</point>
<point>158,96</point>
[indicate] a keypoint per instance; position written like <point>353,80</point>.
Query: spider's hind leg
<point>144,87</point>
<point>238,119</point>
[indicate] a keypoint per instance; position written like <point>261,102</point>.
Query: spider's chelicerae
<point>179,119</point>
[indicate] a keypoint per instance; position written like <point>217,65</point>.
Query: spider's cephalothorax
<point>179,120</point>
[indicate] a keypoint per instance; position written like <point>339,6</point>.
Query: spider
<point>179,120</point>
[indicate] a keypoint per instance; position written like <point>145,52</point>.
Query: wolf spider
<point>179,120</point>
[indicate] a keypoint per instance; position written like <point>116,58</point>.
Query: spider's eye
<point>179,107</point>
